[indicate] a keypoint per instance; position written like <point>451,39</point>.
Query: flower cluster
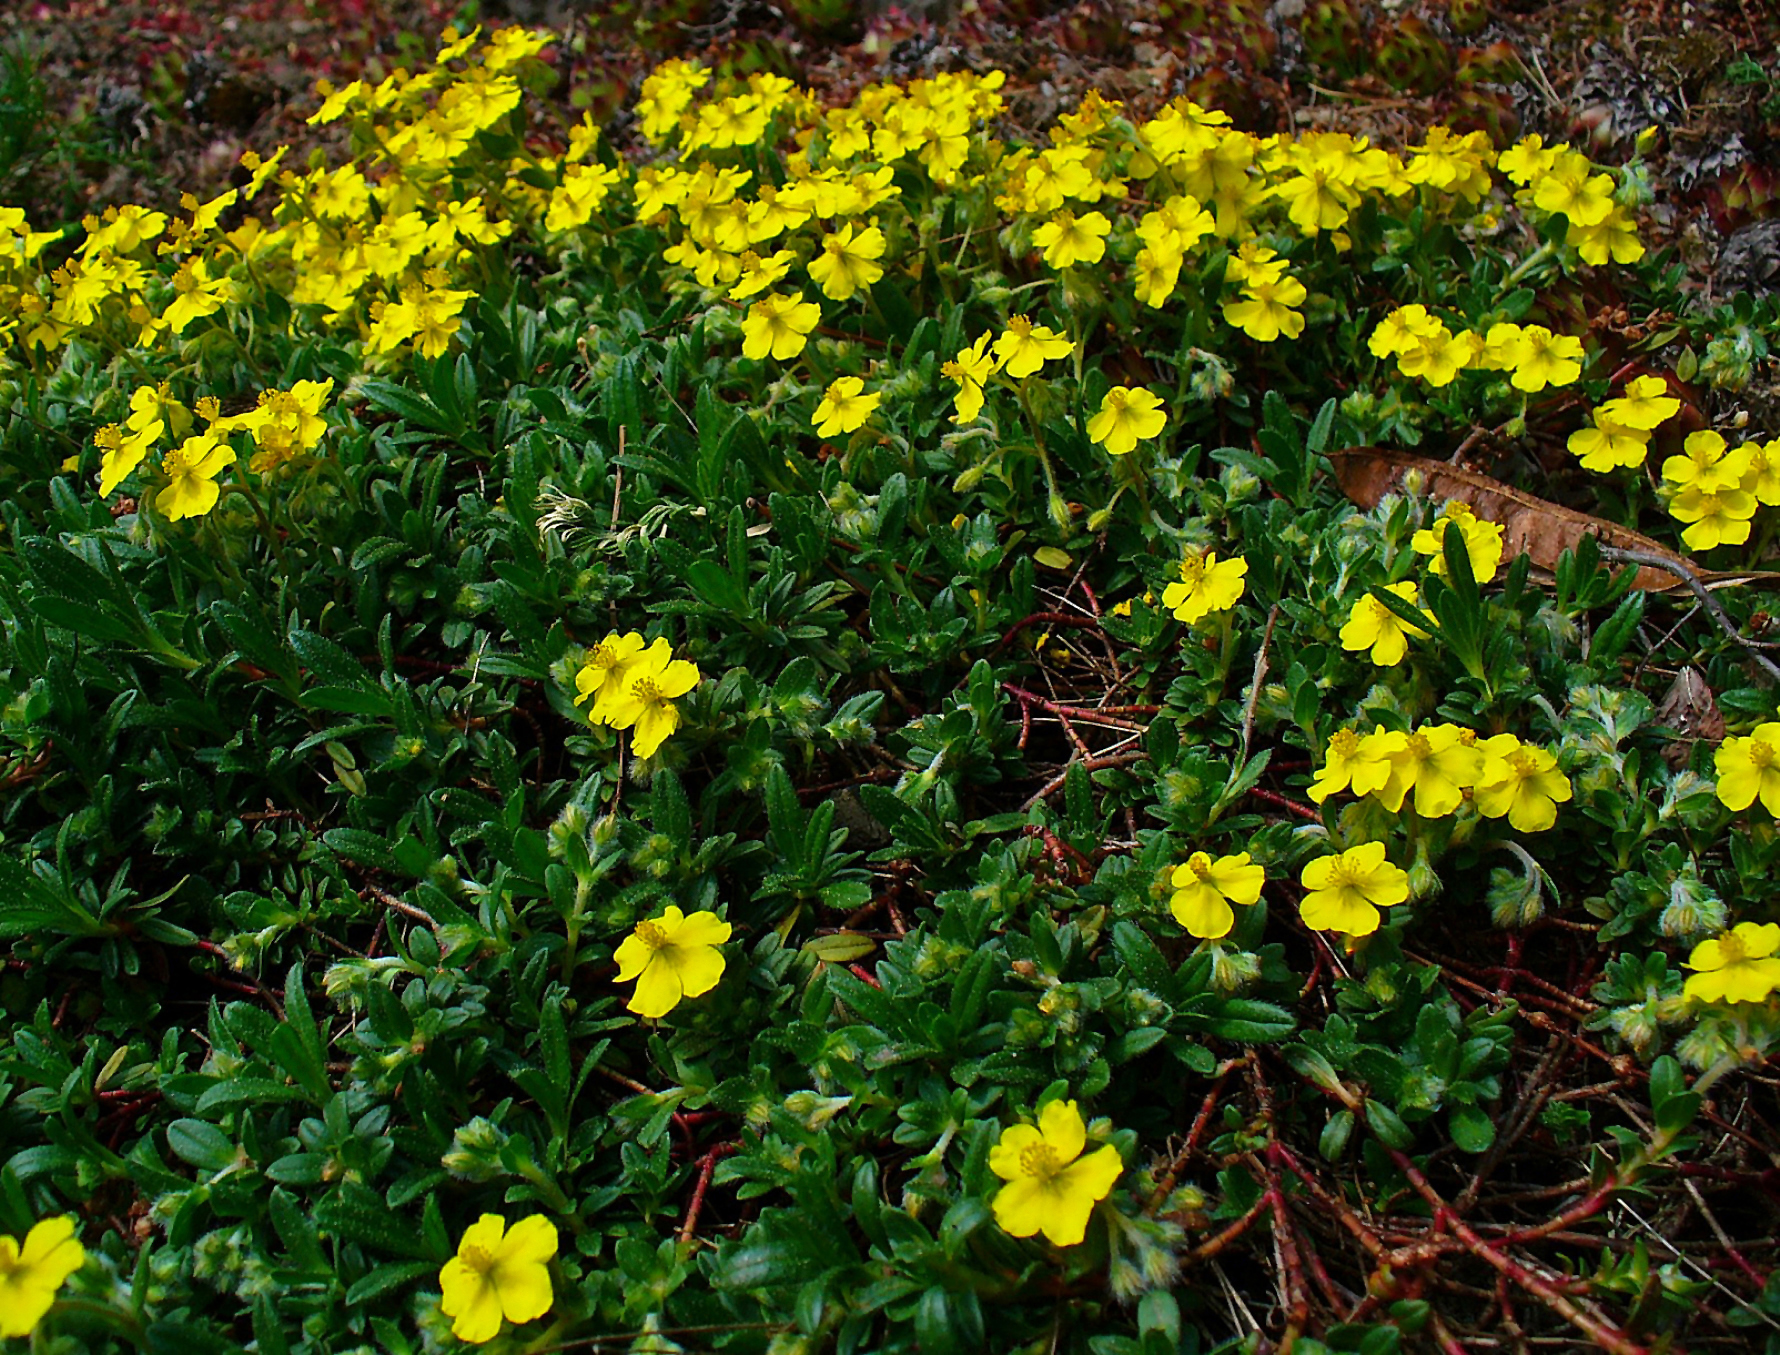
<point>1619,430</point>
<point>284,425</point>
<point>1715,488</point>
<point>1425,348</point>
<point>633,685</point>
<point>1021,350</point>
<point>1444,765</point>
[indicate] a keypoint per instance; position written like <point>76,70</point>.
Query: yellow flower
<point>1024,347</point>
<point>1372,625</point>
<point>671,957</point>
<point>1346,891</point>
<point>1204,890</point>
<point>1068,239</point>
<point>1607,443</point>
<point>602,673</point>
<point>1051,1187</point>
<point>779,325</point>
<point>1568,187</point>
<point>1719,517</point>
<point>1127,414</point>
<point>121,454</point>
<point>195,294</point>
<point>1482,538</point>
<point>1438,356</point>
<point>848,262</point>
<point>1441,762</point>
<point>1645,405</point>
<point>31,1275</point>
<point>1614,236</point>
<point>1156,272</point>
<point>1750,767</point>
<point>193,467</point>
<point>1207,584</point>
<point>645,696</point>
<point>1707,464</point>
<point>1546,359</point>
<point>1738,966</point>
<point>1403,329</point>
<point>970,369</point>
<point>845,407</point>
<point>1763,476</point>
<point>1521,782</point>
<point>758,274</point>
<point>498,1273</point>
<point>1265,312</point>
<point>1358,762</point>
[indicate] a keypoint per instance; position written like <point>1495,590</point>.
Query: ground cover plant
<point>850,731</point>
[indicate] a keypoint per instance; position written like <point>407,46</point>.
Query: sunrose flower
<point>1204,889</point>
<point>1739,966</point>
<point>1372,625</point>
<point>1646,404</point>
<point>1520,782</point>
<point>1749,768</point>
<point>1068,239</point>
<point>1482,538</point>
<point>970,369</point>
<point>1207,584</point>
<point>498,1274</point>
<point>1346,891</point>
<point>1265,310</point>
<point>848,262</point>
<point>30,1275</point>
<point>193,467</point>
<point>1608,444</point>
<point>1546,359</point>
<point>1441,762</point>
<point>844,407</point>
<point>780,325</point>
<point>1024,347</point>
<point>1358,762</point>
<point>602,673</point>
<point>671,957</point>
<point>1051,1187</point>
<point>645,696</point>
<point>1127,414</point>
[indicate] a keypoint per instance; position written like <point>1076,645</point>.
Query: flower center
<point>477,1257</point>
<point>1040,1160</point>
<point>1192,570</point>
<point>1730,950</point>
<point>653,936</point>
<point>1419,748</point>
<point>645,690</point>
<point>1200,864</point>
<point>1761,755</point>
<point>1344,741</point>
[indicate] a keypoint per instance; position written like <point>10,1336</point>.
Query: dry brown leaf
<point>1544,530</point>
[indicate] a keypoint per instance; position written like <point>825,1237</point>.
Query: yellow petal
<point>633,956</point>
<point>1004,1157</point>
<point>1061,1124</point>
<point>532,1241</point>
<point>658,991</point>
<point>703,928</point>
<point>1020,1207</point>
<point>700,967</point>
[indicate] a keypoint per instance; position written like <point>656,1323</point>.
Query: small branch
<point>1753,648</point>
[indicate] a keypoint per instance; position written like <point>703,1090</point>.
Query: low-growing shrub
<point>854,735</point>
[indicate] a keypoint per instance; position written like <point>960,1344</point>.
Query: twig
<point>706,1166</point>
<point>1254,682</point>
<point>1640,557</point>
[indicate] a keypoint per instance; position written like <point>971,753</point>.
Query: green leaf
<point>201,1144</point>
<point>1472,1130</point>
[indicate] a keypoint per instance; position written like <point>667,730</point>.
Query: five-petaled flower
<point>1207,584</point>
<point>779,324</point>
<point>1372,625</point>
<point>498,1273</point>
<point>1127,415</point>
<point>671,957</point>
<point>602,673</point>
<point>30,1275</point>
<point>1739,966</point>
<point>1521,782</point>
<point>1024,347</point>
<point>1051,1187</point>
<point>651,681</point>
<point>1204,889</point>
<point>845,406</point>
<point>1346,891</point>
<point>1749,768</point>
